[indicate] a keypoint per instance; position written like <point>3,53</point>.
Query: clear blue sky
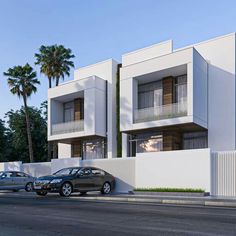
<point>100,29</point>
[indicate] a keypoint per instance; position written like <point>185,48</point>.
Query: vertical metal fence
<point>223,174</point>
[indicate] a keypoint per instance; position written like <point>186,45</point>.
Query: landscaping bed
<point>171,192</point>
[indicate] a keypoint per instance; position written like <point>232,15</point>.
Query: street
<point>51,215</point>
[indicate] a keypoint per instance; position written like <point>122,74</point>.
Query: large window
<point>94,149</point>
<point>195,140</point>
<point>142,143</point>
<point>181,89</point>
<point>68,111</point>
<point>150,95</point>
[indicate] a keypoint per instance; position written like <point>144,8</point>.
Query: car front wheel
<point>66,190</point>
<point>29,187</point>
<point>106,188</point>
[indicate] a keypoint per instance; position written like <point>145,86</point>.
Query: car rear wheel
<point>66,190</point>
<point>29,187</point>
<point>41,193</point>
<point>106,188</point>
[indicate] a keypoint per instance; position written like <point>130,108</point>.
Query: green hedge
<point>119,137</point>
<point>179,190</point>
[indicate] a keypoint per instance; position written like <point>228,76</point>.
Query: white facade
<point>210,70</point>
<point>187,61</point>
<point>206,106</point>
<point>96,86</point>
<point>93,91</point>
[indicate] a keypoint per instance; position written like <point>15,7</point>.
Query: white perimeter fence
<point>213,172</point>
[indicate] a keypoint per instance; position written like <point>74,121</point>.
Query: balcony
<point>161,112</point>
<point>68,127</point>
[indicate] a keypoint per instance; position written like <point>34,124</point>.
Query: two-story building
<point>81,113</point>
<point>169,99</point>
<point>179,99</point>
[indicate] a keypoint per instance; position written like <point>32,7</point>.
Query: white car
<point>16,180</point>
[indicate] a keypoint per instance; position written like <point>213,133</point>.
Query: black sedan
<point>75,179</point>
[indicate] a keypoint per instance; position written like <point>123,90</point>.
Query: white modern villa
<point>168,99</point>
<point>82,113</point>
<point>159,118</point>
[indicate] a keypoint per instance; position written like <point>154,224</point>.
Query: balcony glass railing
<point>161,112</point>
<point>68,127</point>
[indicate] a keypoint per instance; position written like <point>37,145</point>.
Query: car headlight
<point>56,181</point>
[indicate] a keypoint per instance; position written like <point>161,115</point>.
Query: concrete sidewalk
<point>136,198</point>
<point>165,199</point>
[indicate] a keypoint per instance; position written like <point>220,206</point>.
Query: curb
<point>164,201</point>
<point>131,199</point>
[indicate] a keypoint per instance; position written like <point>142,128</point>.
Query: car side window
<point>20,174</point>
<point>85,172</point>
<point>74,171</point>
<point>98,172</point>
<point>7,175</point>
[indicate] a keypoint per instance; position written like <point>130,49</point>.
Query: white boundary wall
<point>5,166</point>
<point>37,169</point>
<point>174,169</point>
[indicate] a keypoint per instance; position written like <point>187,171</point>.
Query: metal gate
<point>223,174</point>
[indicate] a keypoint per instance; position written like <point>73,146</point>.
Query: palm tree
<point>54,62</point>
<point>22,82</point>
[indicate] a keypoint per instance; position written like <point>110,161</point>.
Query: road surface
<point>52,215</point>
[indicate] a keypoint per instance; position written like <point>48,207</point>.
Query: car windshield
<point>68,171</point>
<point>1,173</point>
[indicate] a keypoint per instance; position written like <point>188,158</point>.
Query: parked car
<point>75,179</point>
<point>16,180</point>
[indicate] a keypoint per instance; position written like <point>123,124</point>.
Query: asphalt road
<point>52,215</point>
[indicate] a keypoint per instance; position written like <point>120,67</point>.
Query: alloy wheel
<point>66,189</point>
<point>29,187</point>
<point>106,188</point>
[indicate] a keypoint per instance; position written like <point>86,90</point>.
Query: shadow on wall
<point>37,169</point>
<point>87,104</point>
<point>221,109</point>
<point>122,169</point>
<point>122,186</point>
<point>124,118</point>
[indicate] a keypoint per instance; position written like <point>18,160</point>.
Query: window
<point>150,95</point>
<point>67,171</point>
<point>94,149</point>
<point>74,171</point>
<point>85,171</point>
<point>20,174</point>
<point>195,140</point>
<point>149,142</point>
<point>68,111</point>
<point>7,174</point>
<point>97,172</point>
<point>181,89</point>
